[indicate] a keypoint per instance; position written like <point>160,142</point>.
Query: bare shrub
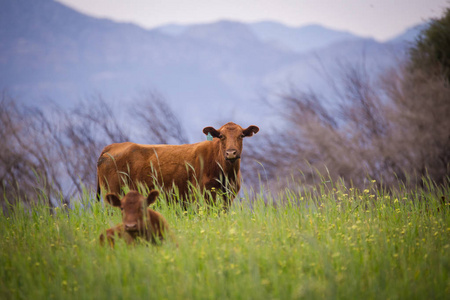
<point>341,141</point>
<point>396,129</point>
<point>20,163</point>
<point>157,122</point>
<point>52,153</point>
<point>419,116</point>
<point>77,137</point>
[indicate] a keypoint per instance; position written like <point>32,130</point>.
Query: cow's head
<point>134,207</point>
<point>231,136</point>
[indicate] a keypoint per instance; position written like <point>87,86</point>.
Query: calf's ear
<point>211,130</point>
<point>113,200</point>
<point>151,198</point>
<point>250,130</point>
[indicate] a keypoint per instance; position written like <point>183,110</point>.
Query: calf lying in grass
<point>137,219</point>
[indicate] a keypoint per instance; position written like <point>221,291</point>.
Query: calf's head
<point>231,136</point>
<point>134,208</point>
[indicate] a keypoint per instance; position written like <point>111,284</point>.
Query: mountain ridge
<point>209,72</point>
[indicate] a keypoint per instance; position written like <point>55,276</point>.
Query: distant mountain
<point>299,39</point>
<point>296,39</point>
<point>50,50</point>
<point>172,29</point>
<point>223,33</point>
<point>208,72</point>
<point>409,35</point>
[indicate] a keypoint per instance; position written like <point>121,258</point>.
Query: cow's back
<point>113,163</point>
<point>131,164</point>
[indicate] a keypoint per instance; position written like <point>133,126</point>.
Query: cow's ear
<point>151,198</point>
<point>250,130</point>
<point>211,130</point>
<point>113,200</point>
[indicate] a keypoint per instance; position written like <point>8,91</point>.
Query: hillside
<point>207,72</point>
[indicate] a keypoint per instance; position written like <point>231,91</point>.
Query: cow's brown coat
<point>211,165</point>
<point>137,219</point>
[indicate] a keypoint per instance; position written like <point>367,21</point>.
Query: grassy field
<point>334,243</point>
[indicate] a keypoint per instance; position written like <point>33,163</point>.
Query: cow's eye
<point>221,136</point>
<point>242,136</point>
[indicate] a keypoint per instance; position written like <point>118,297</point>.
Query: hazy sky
<point>381,19</point>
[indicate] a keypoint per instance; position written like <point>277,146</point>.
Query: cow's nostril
<point>231,153</point>
<point>130,226</point>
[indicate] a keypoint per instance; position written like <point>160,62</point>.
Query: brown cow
<point>210,165</point>
<point>151,228</point>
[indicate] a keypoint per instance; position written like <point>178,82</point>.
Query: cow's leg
<point>109,237</point>
<point>127,238</point>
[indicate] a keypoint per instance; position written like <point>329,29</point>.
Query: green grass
<point>341,243</point>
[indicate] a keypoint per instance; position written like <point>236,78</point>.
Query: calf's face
<point>231,136</point>
<point>134,208</point>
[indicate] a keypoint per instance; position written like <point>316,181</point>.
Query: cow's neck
<point>227,168</point>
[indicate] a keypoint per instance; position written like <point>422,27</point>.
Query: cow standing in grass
<point>212,166</point>
<point>137,219</point>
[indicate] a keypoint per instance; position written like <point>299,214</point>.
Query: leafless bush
<point>157,121</point>
<point>21,161</point>
<point>419,116</point>
<point>395,131</point>
<point>51,153</point>
<point>77,137</point>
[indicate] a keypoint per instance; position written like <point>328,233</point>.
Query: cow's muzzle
<point>232,155</point>
<point>131,227</point>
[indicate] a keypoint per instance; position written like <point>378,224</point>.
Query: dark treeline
<point>395,129</point>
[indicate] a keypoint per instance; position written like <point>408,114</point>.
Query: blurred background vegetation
<point>393,129</point>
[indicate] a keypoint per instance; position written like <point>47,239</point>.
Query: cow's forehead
<point>230,126</point>
<point>132,199</point>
